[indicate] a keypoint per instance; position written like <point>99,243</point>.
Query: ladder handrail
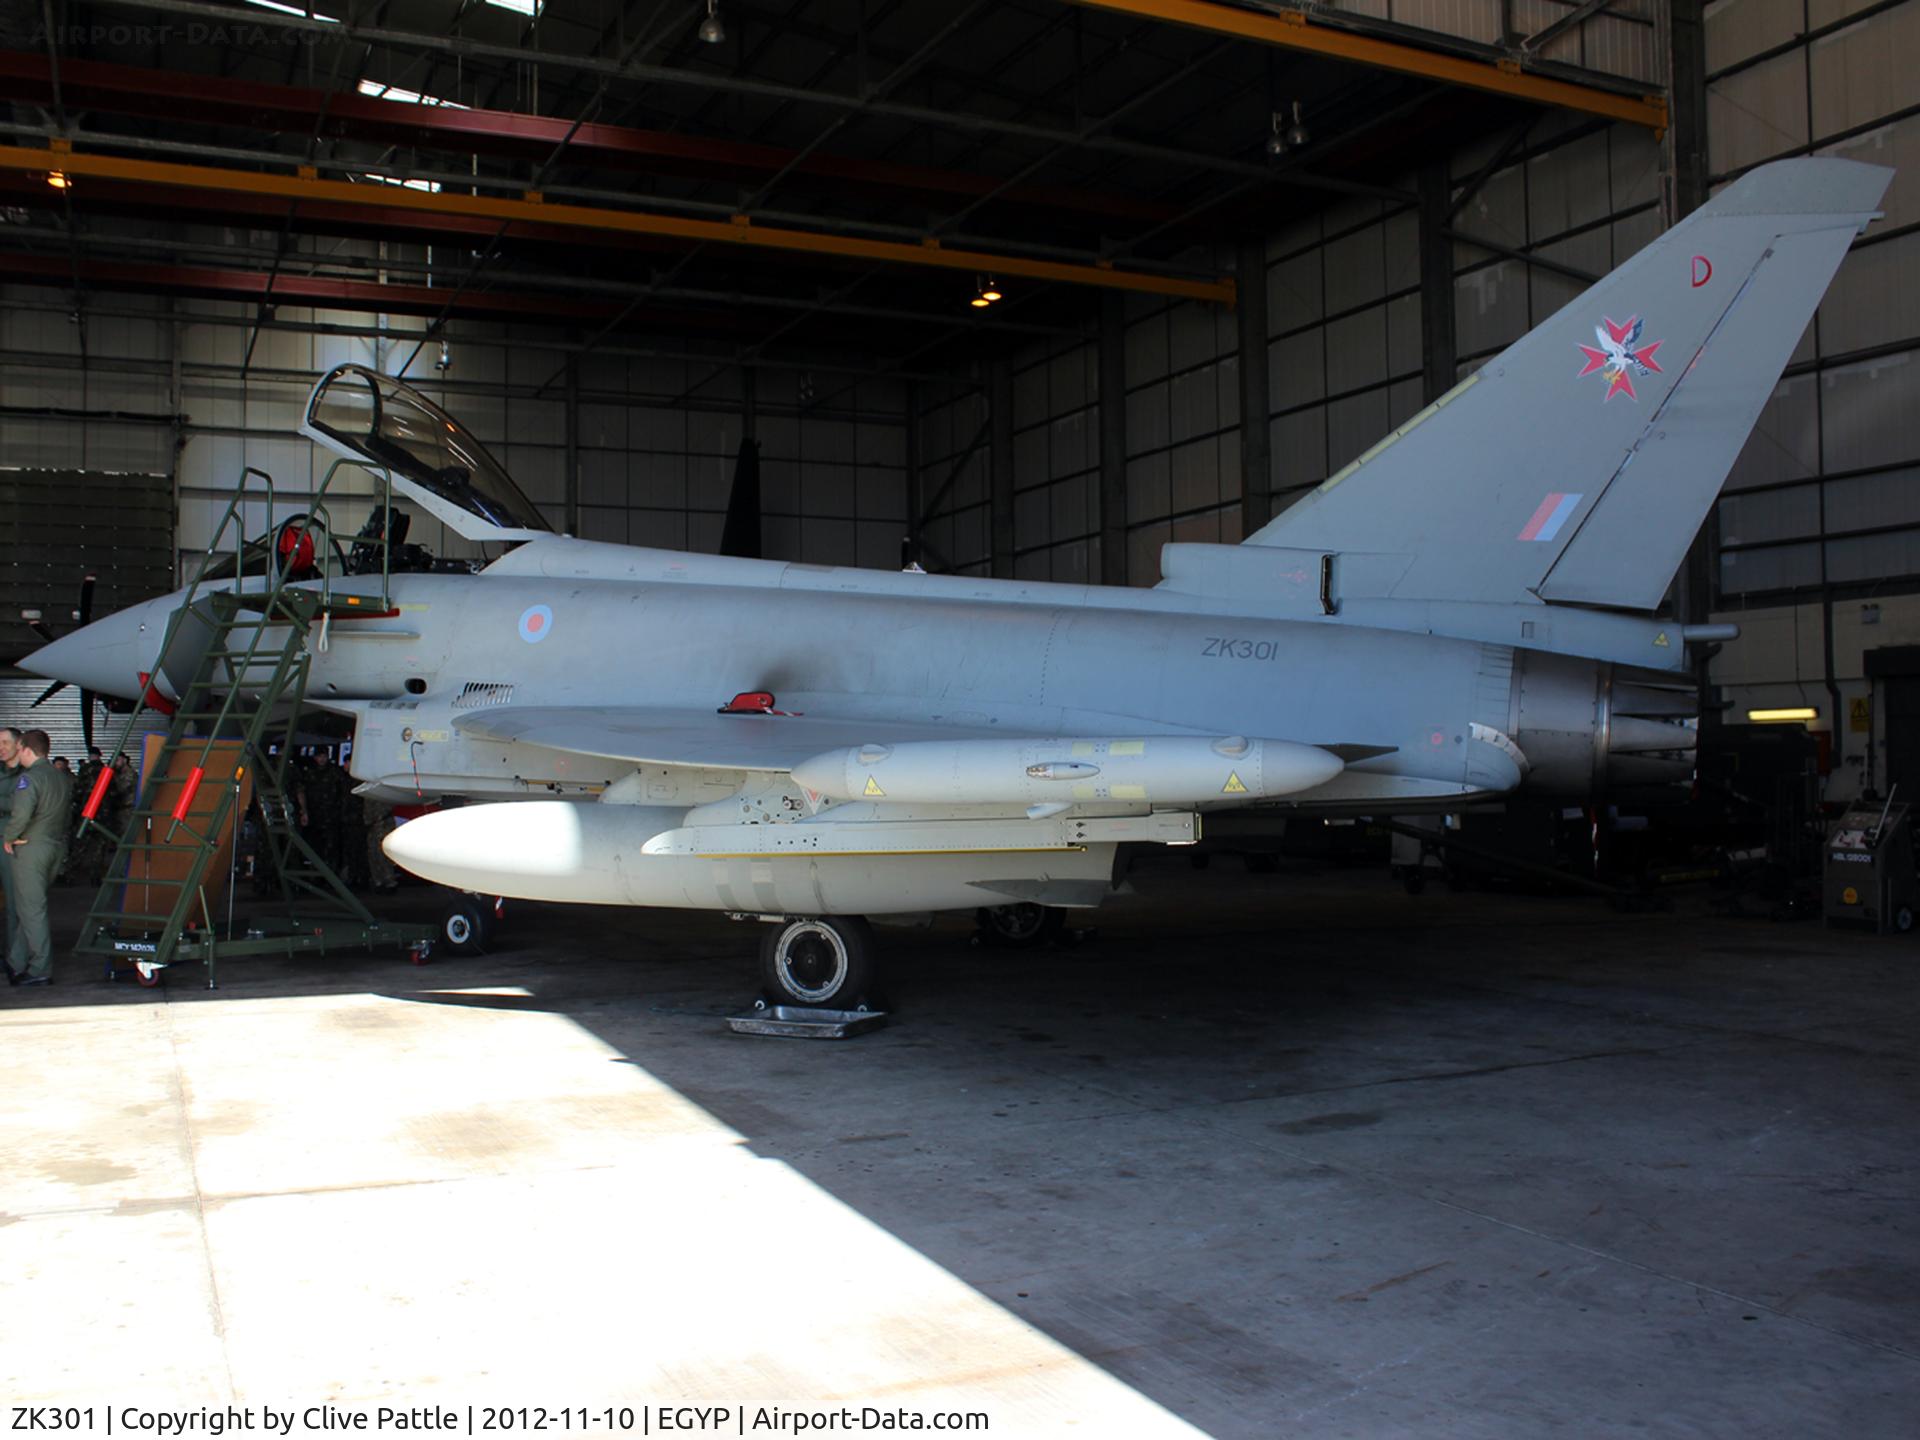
<point>253,709</point>
<point>274,577</point>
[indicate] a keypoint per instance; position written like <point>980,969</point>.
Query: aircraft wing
<point>702,737</point>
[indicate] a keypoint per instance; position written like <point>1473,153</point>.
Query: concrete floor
<point>1280,1155</point>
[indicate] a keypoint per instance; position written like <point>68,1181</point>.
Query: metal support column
<point>572,526</point>
<point>1437,346</point>
<point>1000,461</point>
<point>1250,310</point>
<point>1686,157</point>
<point>1113,440</point>
<point>916,491</point>
<point>1686,136</point>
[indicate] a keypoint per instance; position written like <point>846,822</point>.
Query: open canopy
<point>384,424</point>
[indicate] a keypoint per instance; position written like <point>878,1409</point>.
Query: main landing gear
<point>1018,927</point>
<point>825,962</point>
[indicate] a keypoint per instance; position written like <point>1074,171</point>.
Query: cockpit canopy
<point>386,425</point>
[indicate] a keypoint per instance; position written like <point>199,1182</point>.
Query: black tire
<point>1903,919</point>
<point>1019,927</point>
<point>463,926</point>
<point>825,963</point>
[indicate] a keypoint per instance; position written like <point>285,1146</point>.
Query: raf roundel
<point>536,623</point>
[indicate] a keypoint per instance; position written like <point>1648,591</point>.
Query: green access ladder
<point>252,610</point>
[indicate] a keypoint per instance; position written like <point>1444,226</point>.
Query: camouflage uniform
<point>327,796</point>
<point>353,837</point>
<point>119,797</point>
<point>39,827</point>
<point>90,851</point>
<point>377,819</point>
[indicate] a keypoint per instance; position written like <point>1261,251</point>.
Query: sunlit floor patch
<point>357,1197</point>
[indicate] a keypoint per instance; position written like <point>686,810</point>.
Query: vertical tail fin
<point>1578,463</point>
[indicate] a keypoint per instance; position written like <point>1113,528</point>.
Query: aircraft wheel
<point>463,926</point>
<point>825,963</point>
<point>1019,927</point>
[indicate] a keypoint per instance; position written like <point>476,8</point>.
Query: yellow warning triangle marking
<point>1233,785</point>
<point>873,788</point>
<point>1662,641</point>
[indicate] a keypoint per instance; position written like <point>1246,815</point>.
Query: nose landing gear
<point>470,922</point>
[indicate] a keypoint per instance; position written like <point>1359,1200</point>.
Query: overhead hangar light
<point>712,31</point>
<point>992,291</point>
<point>1297,133</point>
<point>59,179</point>
<point>1787,716</point>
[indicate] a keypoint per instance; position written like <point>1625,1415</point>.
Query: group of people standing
<point>343,829</point>
<point>39,847</point>
<point>92,849</point>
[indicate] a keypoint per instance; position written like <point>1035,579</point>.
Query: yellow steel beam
<point>532,208</point>
<point>1294,30</point>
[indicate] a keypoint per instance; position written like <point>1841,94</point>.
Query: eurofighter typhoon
<point>1464,612</point>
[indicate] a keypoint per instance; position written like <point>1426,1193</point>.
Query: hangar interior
<point>1234,245</point>
<point>1423,224</point>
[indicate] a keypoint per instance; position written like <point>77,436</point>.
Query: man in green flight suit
<point>36,838</point>
<point>9,773</point>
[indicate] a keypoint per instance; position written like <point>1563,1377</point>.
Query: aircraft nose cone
<point>107,656</point>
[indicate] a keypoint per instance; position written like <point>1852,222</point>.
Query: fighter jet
<point>1466,611</point>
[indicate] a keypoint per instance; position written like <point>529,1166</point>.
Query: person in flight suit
<point>9,772</point>
<point>36,837</point>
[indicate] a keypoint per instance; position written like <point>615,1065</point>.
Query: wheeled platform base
<point>136,955</point>
<point>800,1022</point>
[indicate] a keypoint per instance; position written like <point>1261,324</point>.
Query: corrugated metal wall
<point>657,438</point>
<point>1056,463</point>
<point>1828,490</point>
<point>956,469</point>
<point>1344,357</point>
<point>1818,534</point>
<point>1183,426</point>
<point>1624,39</point>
